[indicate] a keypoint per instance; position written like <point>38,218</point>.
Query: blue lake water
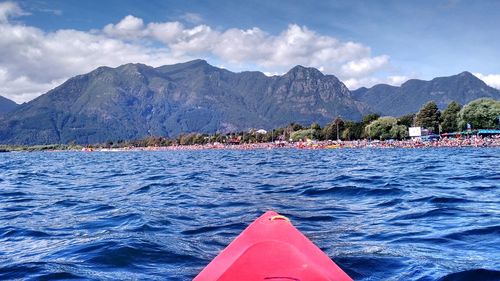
<point>394,214</point>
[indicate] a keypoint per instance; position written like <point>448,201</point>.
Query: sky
<point>363,43</point>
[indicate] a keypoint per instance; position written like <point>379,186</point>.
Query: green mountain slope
<point>134,100</point>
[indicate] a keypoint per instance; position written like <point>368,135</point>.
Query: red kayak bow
<point>271,248</point>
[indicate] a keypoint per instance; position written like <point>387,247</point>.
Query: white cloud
<point>10,9</point>
<point>198,40</point>
<point>129,27</point>
<point>364,66</point>
<point>33,61</point>
<point>493,80</point>
<point>23,88</point>
<point>192,18</point>
<point>295,45</point>
<point>50,11</point>
<point>397,80</point>
<point>356,83</point>
<point>167,32</point>
<point>270,74</point>
<point>300,45</point>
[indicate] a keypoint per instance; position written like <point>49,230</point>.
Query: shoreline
<point>472,142</point>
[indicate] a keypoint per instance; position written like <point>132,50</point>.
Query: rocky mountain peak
<point>467,74</point>
<point>303,73</point>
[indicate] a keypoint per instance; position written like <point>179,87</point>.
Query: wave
<point>473,274</point>
<point>494,231</point>
<point>351,191</point>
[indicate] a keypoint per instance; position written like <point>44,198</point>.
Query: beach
<point>473,141</point>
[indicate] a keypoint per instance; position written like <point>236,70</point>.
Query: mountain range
<point>134,101</point>
<point>411,95</point>
<point>6,105</point>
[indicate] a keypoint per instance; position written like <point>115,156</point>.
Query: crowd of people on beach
<point>472,141</point>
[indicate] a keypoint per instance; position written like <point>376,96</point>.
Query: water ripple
<point>400,214</point>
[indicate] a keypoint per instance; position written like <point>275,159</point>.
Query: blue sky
<point>362,42</point>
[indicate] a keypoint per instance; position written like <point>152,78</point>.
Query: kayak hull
<point>271,248</point>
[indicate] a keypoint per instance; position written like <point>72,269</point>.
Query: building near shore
<point>468,133</point>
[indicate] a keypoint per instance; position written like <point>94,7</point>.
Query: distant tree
<point>317,133</point>
<point>480,113</point>
<point>429,117</point>
<point>279,133</point>
<point>315,126</point>
<point>245,137</point>
<point>386,128</point>
<point>399,132</point>
<point>220,137</point>
<point>338,121</point>
<point>186,139</point>
<point>352,130</point>
<point>165,142</point>
<point>200,139</point>
<point>261,137</point>
<point>449,118</point>
<point>302,134</point>
<point>295,126</point>
<point>367,119</point>
<point>330,130</point>
<point>406,120</point>
<point>267,136</point>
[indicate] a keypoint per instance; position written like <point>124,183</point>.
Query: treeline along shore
<point>474,124</point>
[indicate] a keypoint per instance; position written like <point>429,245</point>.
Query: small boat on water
<point>271,248</point>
